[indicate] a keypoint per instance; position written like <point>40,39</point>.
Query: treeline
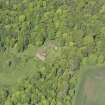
<point>33,22</point>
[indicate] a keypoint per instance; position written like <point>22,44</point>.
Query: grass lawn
<point>91,86</point>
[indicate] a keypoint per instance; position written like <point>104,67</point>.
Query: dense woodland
<point>43,45</point>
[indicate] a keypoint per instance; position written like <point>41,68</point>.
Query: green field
<point>91,86</point>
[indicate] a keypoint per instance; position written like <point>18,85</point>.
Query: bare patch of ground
<point>41,54</point>
<point>89,89</point>
<point>100,76</point>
